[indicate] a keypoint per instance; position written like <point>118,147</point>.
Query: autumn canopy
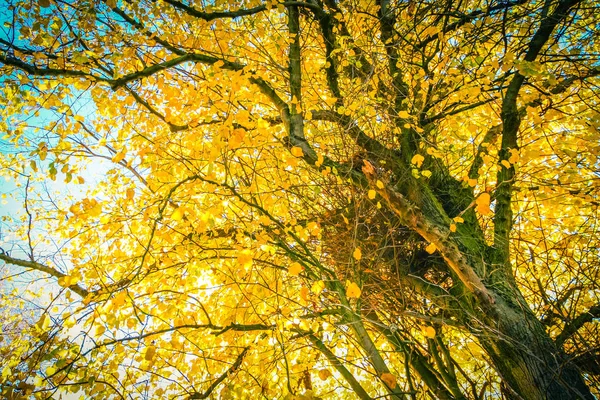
<point>313,199</point>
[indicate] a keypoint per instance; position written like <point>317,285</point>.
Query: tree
<point>305,199</point>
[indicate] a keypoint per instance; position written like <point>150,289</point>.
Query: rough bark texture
<point>528,361</point>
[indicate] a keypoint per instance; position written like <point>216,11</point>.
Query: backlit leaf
<point>389,380</point>
<point>483,204</point>
<point>431,248</point>
<point>352,290</point>
<point>295,268</point>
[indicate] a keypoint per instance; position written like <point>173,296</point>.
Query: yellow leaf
<point>431,248</point>
<point>379,184</point>
<point>320,160</point>
<point>67,281</point>
<point>6,372</point>
<point>483,203</point>
<point>428,331</point>
<point>452,227</point>
<point>505,163</point>
<point>177,214</point>
<point>297,151</point>
<point>70,322</point>
<point>472,182</point>
<point>119,156</point>
<point>304,293</point>
<point>100,330</point>
<point>458,220</point>
<point>352,290</point>
<point>389,380</point>
<point>403,114</point>
<point>372,194</point>
<point>150,352</point>
<point>119,299</point>
<point>426,173</point>
<point>295,268</point>
<point>317,287</point>
<point>130,193</point>
<point>324,374</point>
<point>417,160</point>
<point>514,156</point>
<point>245,258</point>
<point>368,168</point>
<point>357,254</point>
<point>43,323</point>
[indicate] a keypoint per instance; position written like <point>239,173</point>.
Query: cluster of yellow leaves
<point>87,208</point>
<point>206,254</point>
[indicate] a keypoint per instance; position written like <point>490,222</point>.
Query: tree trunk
<point>528,361</point>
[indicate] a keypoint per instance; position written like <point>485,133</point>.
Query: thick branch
<point>325,23</point>
<point>371,350</point>
<point>33,70</point>
<point>209,16</point>
<point>375,149</point>
<point>510,126</point>
<point>152,110</point>
<point>217,14</point>
<point>490,137</point>
<point>387,20</point>
<point>202,58</point>
<point>116,83</point>
<point>577,323</point>
<point>43,268</point>
<point>337,364</point>
<point>216,331</point>
<point>413,218</point>
<point>296,128</point>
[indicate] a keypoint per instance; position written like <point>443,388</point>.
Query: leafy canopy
<point>301,199</point>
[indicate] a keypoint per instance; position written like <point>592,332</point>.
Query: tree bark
<point>528,361</point>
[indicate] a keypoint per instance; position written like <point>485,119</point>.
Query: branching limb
<point>510,127</point>
<point>466,18</point>
<point>371,350</point>
<point>573,326</point>
<point>339,366</point>
<point>119,82</point>
<point>413,218</point>
<point>45,269</point>
<point>56,72</point>
<point>418,362</point>
<point>296,124</point>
